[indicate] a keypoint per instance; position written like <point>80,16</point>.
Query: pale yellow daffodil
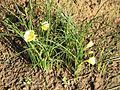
<point>90,44</point>
<point>92,60</point>
<point>29,35</point>
<point>45,25</point>
<point>90,52</point>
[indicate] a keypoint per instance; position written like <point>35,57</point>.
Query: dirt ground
<point>16,73</point>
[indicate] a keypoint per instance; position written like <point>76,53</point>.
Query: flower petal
<point>92,60</point>
<point>45,25</point>
<point>29,36</point>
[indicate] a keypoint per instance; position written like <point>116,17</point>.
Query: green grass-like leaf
<point>61,45</point>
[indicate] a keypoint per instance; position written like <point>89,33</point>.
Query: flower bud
<point>90,44</point>
<point>92,60</point>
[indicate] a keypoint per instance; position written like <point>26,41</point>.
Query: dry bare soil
<point>16,73</point>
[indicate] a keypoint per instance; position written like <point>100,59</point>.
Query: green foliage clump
<point>60,44</point>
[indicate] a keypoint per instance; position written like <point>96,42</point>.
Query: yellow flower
<point>29,36</point>
<point>90,52</point>
<point>45,25</point>
<point>90,44</point>
<point>92,60</point>
<point>64,80</point>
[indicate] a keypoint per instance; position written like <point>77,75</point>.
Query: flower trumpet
<point>29,36</point>
<point>45,25</point>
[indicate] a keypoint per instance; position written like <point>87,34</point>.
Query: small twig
<point>100,8</point>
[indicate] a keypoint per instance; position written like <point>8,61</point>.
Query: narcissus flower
<point>29,36</point>
<point>90,44</point>
<point>92,60</point>
<point>45,25</point>
<point>90,52</point>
